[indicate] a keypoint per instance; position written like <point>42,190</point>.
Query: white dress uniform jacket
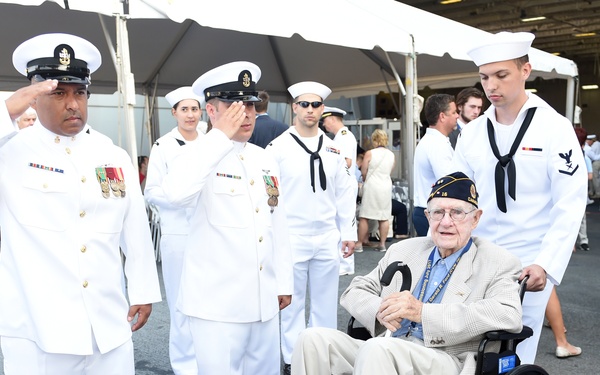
<point>540,227</point>
<point>173,220</point>
<point>318,212</point>
<point>433,159</point>
<point>61,274</point>
<point>238,258</point>
<point>347,141</point>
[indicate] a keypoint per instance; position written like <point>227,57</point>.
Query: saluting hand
<point>231,120</point>
<point>537,278</point>
<point>24,97</point>
<point>143,313</point>
<point>398,306</point>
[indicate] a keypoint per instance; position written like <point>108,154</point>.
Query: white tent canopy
<point>360,48</point>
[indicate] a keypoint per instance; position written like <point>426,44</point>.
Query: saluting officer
<point>237,270</point>
<point>69,200</point>
<point>526,153</point>
<point>321,208</point>
<point>186,108</point>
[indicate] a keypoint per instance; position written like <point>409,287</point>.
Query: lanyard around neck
<point>427,274</point>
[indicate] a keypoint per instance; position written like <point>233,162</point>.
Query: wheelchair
<point>505,362</point>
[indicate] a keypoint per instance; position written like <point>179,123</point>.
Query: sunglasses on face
<point>305,104</point>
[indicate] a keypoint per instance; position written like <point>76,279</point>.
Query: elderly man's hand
<point>231,120</point>
<point>537,278</point>
<point>398,306</point>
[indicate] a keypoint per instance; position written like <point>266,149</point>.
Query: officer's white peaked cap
<point>502,46</point>
<point>231,82</point>
<point>65,57</point>
<point>333,111</point>
<point>309,87</point>
<point>183,93</point>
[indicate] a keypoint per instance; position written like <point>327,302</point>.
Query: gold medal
<point>273,201</point>
<point>117,193</point>
<point>104,187</point>
<point>114,186</point>
<point>273,191</point>
<point>106,194</point>
<point>121,185</point>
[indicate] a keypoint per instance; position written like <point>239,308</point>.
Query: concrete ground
<point>579,294</point>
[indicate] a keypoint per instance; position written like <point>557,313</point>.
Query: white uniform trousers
<point>596,179</point>
<point>316,263</point>
<point>329,351</point>
<point>181,345</point>
<point>534,309</point>
<point>582,236</point>
<point>236,348</point>
<point>23,356</point>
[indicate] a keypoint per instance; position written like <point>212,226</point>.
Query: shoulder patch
<point>344,132</point>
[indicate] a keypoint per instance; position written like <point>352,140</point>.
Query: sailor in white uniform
<point>237,269</point>
<point>70,200</point>
<point>186,108</point>
<point>321,203</point>
<point>332,121</point>
<point>535,175</point>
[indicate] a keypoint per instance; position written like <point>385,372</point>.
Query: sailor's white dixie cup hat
<point>309,87</point>
<point>231,82</point>
<point>502,46</point>
<point>183,93</point>
<point>64,57</point>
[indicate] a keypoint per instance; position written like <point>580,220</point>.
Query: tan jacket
<point>482,295</point>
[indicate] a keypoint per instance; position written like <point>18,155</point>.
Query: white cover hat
<point>501,47</point>
<point>182,93</point>
<point>235,81</point>
<point>65,57</point>
<point>309,87</point>
<point>333,111</point>
<point>591,136</point>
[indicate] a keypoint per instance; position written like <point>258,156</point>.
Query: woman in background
<point>376,202</point>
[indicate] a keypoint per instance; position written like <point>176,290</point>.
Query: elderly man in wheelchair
<point>463,287</point>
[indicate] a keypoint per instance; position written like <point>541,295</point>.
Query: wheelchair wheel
<point>527,370</point>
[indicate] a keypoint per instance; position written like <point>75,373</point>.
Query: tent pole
<point>408,133</point>
<point>570,106</point>
<point>126,86</point>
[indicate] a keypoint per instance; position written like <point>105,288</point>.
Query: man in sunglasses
<point>321,206</point>
<point>462,287</point>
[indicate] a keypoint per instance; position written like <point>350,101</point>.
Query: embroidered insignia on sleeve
<point>570,169</point>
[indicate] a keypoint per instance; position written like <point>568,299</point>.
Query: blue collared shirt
<point>441,267</point>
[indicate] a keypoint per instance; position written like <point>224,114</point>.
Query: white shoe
<point>344,273</point>
<point>590,201</point>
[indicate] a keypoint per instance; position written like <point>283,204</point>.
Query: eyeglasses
<point>455,214</point>
<point>305,104</point>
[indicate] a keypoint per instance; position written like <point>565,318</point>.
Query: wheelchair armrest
<point>504,335</point>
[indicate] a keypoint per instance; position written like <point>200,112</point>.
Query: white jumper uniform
<point>174,230</point>
<point>347,142</point>
<point>317,221</point>
<point>237,259</point>
<point>541,226</point>
<point>62,280</point>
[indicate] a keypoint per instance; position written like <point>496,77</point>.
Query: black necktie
<point>507,162</point>
<point>314,156</point>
